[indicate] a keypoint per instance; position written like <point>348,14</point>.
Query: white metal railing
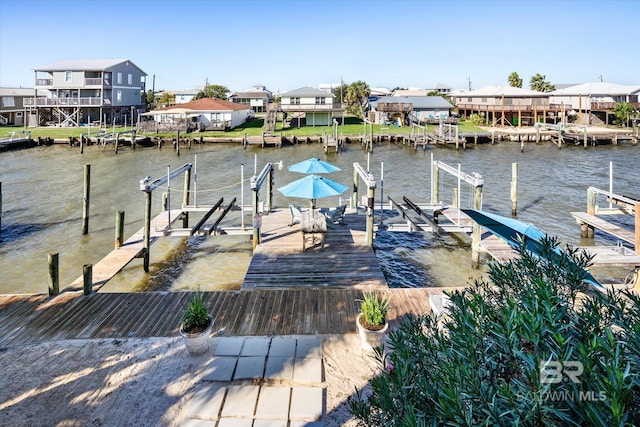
<point>44,82</point>
<point>46,102</point>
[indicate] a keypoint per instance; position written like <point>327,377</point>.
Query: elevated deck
<point>346,261</point>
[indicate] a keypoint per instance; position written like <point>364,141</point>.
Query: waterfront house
<point>12,109</point>
<point>594,102</point>
<point>440,88</point>
<point>505,105</point>
<point>201,114</point>
<point>421,109</point>
<point>258,97</point>
<point>81,91</point>
<point>306,104</point>
<point>184,96</point>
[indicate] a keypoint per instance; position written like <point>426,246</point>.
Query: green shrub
<point>509,352</point>
<point>195,317</point>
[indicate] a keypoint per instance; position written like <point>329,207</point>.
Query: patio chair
<point>336,215</point>
<point>296,214</point>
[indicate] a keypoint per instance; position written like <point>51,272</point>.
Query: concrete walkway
<point>260,382</point>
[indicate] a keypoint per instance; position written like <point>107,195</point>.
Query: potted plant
<point>372,320</point>
<point>196,325</point>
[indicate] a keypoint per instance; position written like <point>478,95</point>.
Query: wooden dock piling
<point>514,189</point>
<point>85,199</point>
<point>119,229</point>
<point>54,276</point>
<point>87,275</point>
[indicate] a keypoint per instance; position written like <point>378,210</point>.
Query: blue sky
<point>289,44</point>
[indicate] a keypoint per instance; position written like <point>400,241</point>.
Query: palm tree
<point>539,83</point>
<point>355,98</point>
<point>515,80</point>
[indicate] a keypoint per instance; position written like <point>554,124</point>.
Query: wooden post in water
<point>637,227</point>
<point>475,234</point>
<point>81,144</point>
<point>586,230</point>
<point>435,196</point>
<point>370,205</point>
<point>165,201</point>
<point>147,231</point>
<point>85,199</point>
<point>119,241</point>
<point>87,279</point>
<point>585,136</point>
<point>514,189</point>
<point>455,197</point>
<point>54,277</point>
<point>257,220</point>
<point>185,197</point>
<point>355,189</point>
<point>269,190</point>
<point>178,143</point>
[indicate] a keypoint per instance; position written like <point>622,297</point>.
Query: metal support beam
<point>147,185</point>
<point>474,179</point>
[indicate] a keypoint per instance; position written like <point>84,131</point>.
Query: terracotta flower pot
<point>198,343</point>
<point>371,339</point>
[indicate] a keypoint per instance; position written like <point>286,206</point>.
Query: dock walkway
<point>32,319</point>
<point>118,259</point>
<point>346,261</point>
<point>612,229</point>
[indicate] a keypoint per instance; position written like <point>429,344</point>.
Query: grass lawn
<point>352,126</point>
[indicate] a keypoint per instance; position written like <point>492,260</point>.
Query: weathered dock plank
<point>72,315</point>
<point>346,261</point>
<point>120,257</point>
<point>609,228</point>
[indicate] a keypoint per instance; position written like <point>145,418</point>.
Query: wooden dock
<point>120,257</point>
<point>612,229</point>
<point>346,261</point>
<point>32,319</point>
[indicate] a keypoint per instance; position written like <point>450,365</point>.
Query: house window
<point>119,78</point>
<point>295,101</point>
<point>8,101</point>
<point>320,100</point>
<point>119,96</point>
<point>130,79</point>
<point>483,100</point>
<point>469,99</point>
<point>67,76</point>
<point>19,114</point>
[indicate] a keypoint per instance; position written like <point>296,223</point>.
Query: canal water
<point>42,207</point>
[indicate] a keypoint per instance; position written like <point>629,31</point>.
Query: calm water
<point>42,207</point>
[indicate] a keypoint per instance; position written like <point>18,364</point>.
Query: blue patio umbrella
<point>512,231</point>
<point>312,187</point>
<point>313,165</point>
